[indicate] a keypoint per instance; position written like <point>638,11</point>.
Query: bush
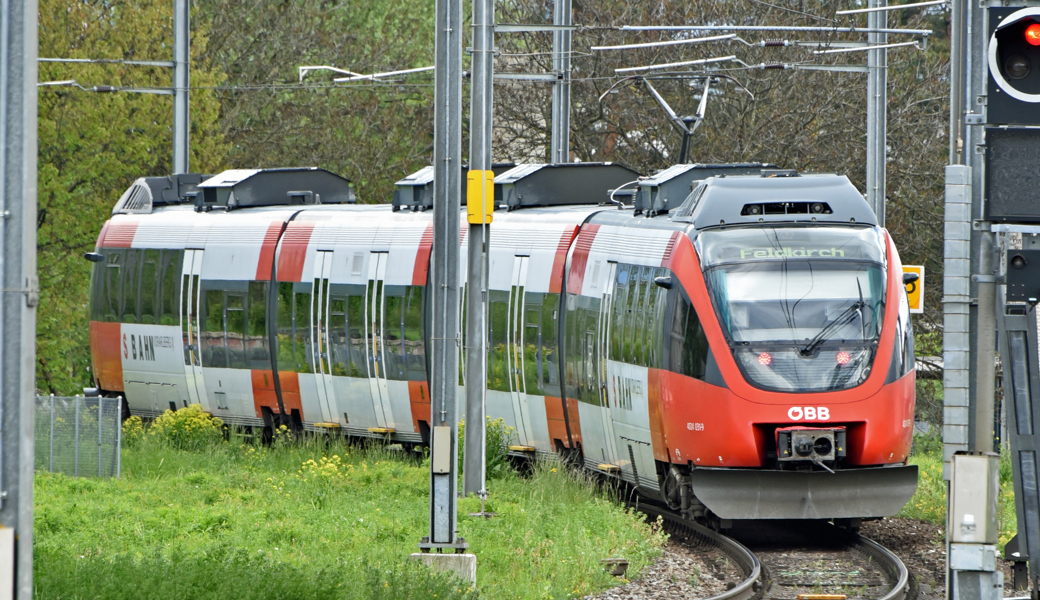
<point>497,437</point>
<point>187,428</point>
<point>133,431</point>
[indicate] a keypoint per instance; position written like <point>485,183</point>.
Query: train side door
<point>604,284</point>
<point>320,334</point>
<point>375,307</point>
<point>516,359</point>
<point>190,327</point>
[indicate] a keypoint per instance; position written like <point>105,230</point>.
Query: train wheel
<point>671,490</point>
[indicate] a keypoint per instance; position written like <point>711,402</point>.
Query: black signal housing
<point>1013,94</point>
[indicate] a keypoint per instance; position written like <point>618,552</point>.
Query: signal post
<point>991,288</point>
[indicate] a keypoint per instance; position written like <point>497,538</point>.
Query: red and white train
<point>746,350</point>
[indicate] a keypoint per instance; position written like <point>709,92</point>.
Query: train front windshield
<point>801,307</point>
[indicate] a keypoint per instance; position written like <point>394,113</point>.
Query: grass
<point>929,502</point>
<point>315,520</point>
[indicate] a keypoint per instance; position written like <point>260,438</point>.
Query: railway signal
<point>1014,66</point>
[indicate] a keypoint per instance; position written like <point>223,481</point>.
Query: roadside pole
<point>18,54</point>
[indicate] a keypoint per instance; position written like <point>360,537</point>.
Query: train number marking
<point>809,413</point>
<point>695,426</point>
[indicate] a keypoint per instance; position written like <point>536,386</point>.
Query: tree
<point>93,146</point>
<point>373,133</point>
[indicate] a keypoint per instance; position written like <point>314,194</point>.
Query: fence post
<point>76,467</point>
<point>51,464</point>
<point>100,413</point>
<point>117,460</point>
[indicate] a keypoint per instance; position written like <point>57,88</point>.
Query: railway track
<point>781,560</point>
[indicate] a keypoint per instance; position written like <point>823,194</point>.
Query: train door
<point>320,335</point>
<point>190,327</point>
<point>515,347</point>
<point>375,305</point>
<point>599,341</point>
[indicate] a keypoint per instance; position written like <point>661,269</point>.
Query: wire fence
<point>79,436</point>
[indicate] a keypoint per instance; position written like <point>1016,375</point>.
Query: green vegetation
<point>929,502</point>
<point>313,519</point>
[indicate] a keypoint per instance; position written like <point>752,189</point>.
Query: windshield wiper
<point>842,319</point>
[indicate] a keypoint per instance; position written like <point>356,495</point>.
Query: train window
<point>337,319</point>
<point>414,350</point>
<point>550,376</point>
<point>211,338</point>
<point>169,277</point>
<point>294,326</point>
<point>393,331</point>
<point>149,286</point>
<point>257,353</point>
<point>106,284</point>
<point>533,357</point>
<point>235,332</point>
<point>356,334</point>
<point>498,338</point>
<point>617,324</point>
<point>130,294</point>
<point>572,349</point>
<point>689,344</point>
<point>634,325</point>
<point>649,314</point>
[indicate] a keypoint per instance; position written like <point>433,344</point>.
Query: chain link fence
<point>79,436</point>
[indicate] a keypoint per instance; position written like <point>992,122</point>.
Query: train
<point>731,340</point>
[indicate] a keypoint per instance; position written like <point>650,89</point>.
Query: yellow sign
<point>480,197</point>
<point>915,289</point>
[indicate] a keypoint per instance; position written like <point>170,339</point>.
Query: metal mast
<point>18,52</point>
<point>181,60</point>
<point>877,103</point>
<point>444,279</point>
<point>561,95</point>
<point>480,203</point>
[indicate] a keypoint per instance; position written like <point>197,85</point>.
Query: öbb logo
<point>809,413</point>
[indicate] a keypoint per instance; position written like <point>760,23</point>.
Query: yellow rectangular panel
<point>480,194</point>
<point>915,290</point>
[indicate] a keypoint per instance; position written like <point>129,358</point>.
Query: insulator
<point>773,43</point>
<point>774,65</point>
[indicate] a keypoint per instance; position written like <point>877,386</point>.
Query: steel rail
<point>752,586</point>
<point>889,563</point>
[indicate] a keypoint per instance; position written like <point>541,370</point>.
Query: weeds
<point>187,428</point>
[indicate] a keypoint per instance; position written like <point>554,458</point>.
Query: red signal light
<point>765,359</point>
<point>844,358</point>
<point>1033,34</point>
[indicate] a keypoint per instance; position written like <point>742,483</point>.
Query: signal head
<point>1014,66</point>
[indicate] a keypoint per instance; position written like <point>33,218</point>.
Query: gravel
<point>687,572</point>
<point>682,572</point>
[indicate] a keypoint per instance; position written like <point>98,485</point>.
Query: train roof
<point>790,198</point>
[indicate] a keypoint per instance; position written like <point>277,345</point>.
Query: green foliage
<point>93,146</point>
<point>498,436</point>
<point>314,519</point>
<point>187,428</point>
<point>133,431</point>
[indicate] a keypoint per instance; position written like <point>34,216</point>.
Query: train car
<point>743,350</point>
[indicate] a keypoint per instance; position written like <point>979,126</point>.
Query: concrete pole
<point>181,61</point>
<point>18,53</point>
<point>480,119</point>
<point>877,105</point>
<point>444,279</point>
<point>561,95</point>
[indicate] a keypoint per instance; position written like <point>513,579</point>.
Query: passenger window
<point>236,329</point>
<point>149,286</point>
<point>213,347</point>
<point>393,331</point>
<point>294,345</point>
<point>620,310</point>
<point>131,279</point>
<point>414,350</point>
<point>169,278</point>
<point>498,336</point>
<point>549,348</point>
<point>634,328</point>
<point>356,334</point>
<point>534,358</point>
<point>257,354</point>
